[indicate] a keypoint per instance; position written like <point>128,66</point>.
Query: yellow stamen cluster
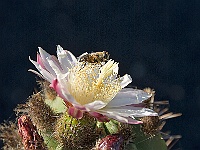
<point>92,81</point>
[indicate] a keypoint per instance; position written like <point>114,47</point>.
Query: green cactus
<point>146,142</point>
<point>57,105</point>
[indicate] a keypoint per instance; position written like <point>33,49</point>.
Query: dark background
<point>157,42</point>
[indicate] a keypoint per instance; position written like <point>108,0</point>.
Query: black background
<point>157,42</point>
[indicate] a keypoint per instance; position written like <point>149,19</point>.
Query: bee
<point>95,57</point>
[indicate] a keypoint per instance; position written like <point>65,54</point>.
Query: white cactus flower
<point>92,87</point>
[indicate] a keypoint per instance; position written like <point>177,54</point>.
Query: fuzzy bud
<point>76,133</point>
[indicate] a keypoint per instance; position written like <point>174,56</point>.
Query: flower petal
<point>66,58</point>
<point>116,69</point>
<point>126,79</point>
<point>128,96</point>
<point>45,74</point>
<point>63,93</point>
<point>56,68</point>
<point>95,105</point>
<point>71,58</point>
<point>127,111</point>
<point>44,55</point>
<point>76,113</point>
<point>39,61</point>
<point>99,117</point>
<point>119,118</point>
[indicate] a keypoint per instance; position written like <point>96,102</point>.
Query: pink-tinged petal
<point>95,105</point>
<point>99,117</point>
<point>126,79</point>
<point>44,55</point>
<point>79,106</point>
<point>127,111</point>
<point>54,85</point>
<point>76,113</point>
<point>128,96</point>
<point>39,61</point>
<point>46,75</point>
<point>119,118</point>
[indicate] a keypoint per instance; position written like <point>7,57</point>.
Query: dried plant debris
<point>171,140</point>
<point>29,134</point>
<point>10,137</point>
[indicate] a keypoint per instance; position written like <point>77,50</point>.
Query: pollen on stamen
<point>85,86</point>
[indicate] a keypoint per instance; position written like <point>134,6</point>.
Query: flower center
<point>92,81</point>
